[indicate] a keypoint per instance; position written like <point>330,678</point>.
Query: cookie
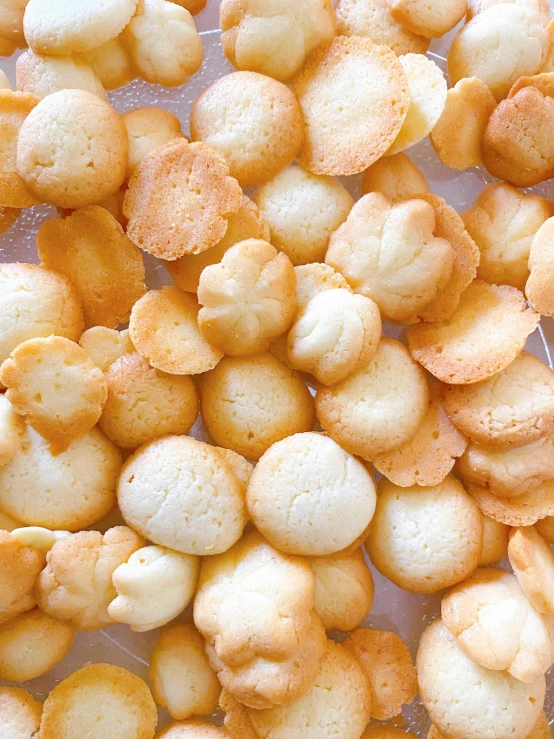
<point>497,626</point>
<point>485,333</point>
<point>164,329</point>
<point>8,216</point>
<point>7,523</point>
<point>153,586</point>
<point>178,478</point>
<point>191,730</point>
<point>465,699</point>
<point>19,569</point>
<point>396,177</point>
<point>112,63</point>
<point>425,539</point>
<point>14,109</point>
<point>343,590</point>
<point>11,22</point>
<point>246,223</point>
<point>38,537</point>
<point>385,731</point>
<point>335,335</point>
<point>249,403</point>
<point>71,490</point>
<point>548,64</point>
<point>193,6</point>
<point>64,27</point>
<point>340,698</point>
<point>498,45</point>
<point>148,129</point>
<point>372,19</point>
<point>524,510</point>
<point>164,44</point>
<point>387,662</point>
<point>72,149</point>
<point>378,408</point>
<point>274,41</point>
<point>101,700</point>
<point>11,428</point>
<point>295,491</point>
<point>7,48</point>
<point>429,19</point>
<point>182,679</point>
<point>41,75</point>
<point>248,299</point>
<point>354,96</point>
<point>143,403</point>
<point>302,210</point>
<point>312,279</point>
<point>541,264</point>
<point>236,720</point>
<point>251,120</point>
<point>495,541</point>
<point>532,561</point>
<point>19,713</point>
<point>169,225</point>
<point>31,644</point>
<point>429,455</point>
<point>539,7</point>
<point>418,264</point>
<point>456,136</point>
<point>76,584</point>
<point>105,345</point>
<point>427,88</point>
<point>545,527</point>
<point>240,466</point>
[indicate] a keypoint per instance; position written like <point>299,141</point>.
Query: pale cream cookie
<point>396,177</point>
<point>19,569</point>
<point>429,19</point>
<point>178,479</point>
<point>524,510</point>
<point>387,662</point>
<point>495,541</point>
<point>182,679</point>
<point>71,490</point>
<point>485,333</point>
<point>179,200</point>
<point>193,729</point>
<point>538,288</point>
<point>112,63</point>
<point>532,561</point>
<point>274,40</point>
<point>100,701</point>
<point>239,464</point>
<point>72,149</point>
<point>380,407</point>
<point>20,714</point>
<point>354,96</point>
<point>302,210</point>
<point>249,403</point>
<point>148,129</point>
<point>251,120</point>
<point>14,109</point>
<point>153,586</point>
<point>41,75</point>
<point>425,539</point>
<point>105,345</point>
<point>457,134</point>
<point>389,253</point>
<point>11,428</point>
<point>343,590</point>
<point>248,299</point>
<point>164,329</point>
<point>312,279</point>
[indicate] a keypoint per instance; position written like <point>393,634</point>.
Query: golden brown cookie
<point>396,177</point>
<point>429,19</point>
<point>385,731</point>
<point>354,96</point>
<point>105,345</point>
<point>8,216</point>
<point>532,561</point>
<point>164,329</point>
<point>14,109</point>
<point>545,527</point>
<point>148,129</point>
<point>387,662</point>
<point>41,75</point>
<point>538,288</point>
<point>485,333</point>
<point>524,510</point>
<point>19,714</point>
<point>495,541</point>
<point>19,569</point>
<point>193,6</point>
<point>179,200</point>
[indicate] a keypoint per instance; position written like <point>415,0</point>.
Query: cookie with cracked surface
<point>396,177</point>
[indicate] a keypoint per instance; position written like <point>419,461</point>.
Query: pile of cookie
<point>238,425</point>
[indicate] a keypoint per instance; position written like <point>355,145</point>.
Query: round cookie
<point>72,149</point>
<point>343,590</point>
<point>164,329</point>
<point>425,539</point>
<point>354,96</point>
<point>11,428</point>
<point>418,264</point>
<point>485,333</point>
<point>41,75</point>
<point>387,662</point>
<point>378,408</point>
<point>31,644</point>
<point>251,120</point>
<point>71,490</point>
<point>466,700</point>
<point>19,569</point>
<point>98,701</point>
<point>112,63</point>
<point>14,109</point>
<point>532,561</point>
<point>396,177</point>
<point>246,223</point>
<point>274,41</point>
<point>538,288</point>
<point>249,403</point>
<point>302,210</point>
<point>20,714</point>
<point>308,496</point>
<point>154,586</point>
<point>248,299</point>
<point>65,27</point>
<point>105,345</point>
<point>545,527</point>
<point>182,679</point>
<point>524,510</point>
<point>178,479</point>
<point>372,19</point>
<point>148,129</point>
<point>495,541</point>
<point>340,698</point>
<point>191,730</point>
<point>429,19</point>
<point>180,199</point>
<point>144,403</point>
